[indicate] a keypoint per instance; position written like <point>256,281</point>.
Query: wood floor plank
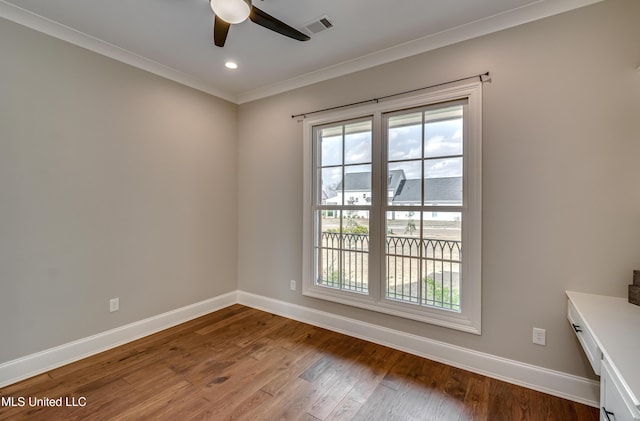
<point>291,334</point>
<point>476,398</point>
<point>288,403</point>
<point>248,315</point>
<point>383,405</point>
<point>307,355</point>
<point>242,381</point>
<point>374,366</point>
<point>346,409</point>
<point>157,404</point>
<point>349,367</point>
<point>244,364</point>
<point>248,407</point>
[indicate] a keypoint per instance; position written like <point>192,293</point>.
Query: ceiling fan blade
<point>269,22</point>
<point>220,31</point>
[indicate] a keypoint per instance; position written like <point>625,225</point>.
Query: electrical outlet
<point>292,285</point>
<point>539,336</point>
<point>114,304</point>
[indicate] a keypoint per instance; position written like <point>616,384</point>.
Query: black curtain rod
<point>376,100</point>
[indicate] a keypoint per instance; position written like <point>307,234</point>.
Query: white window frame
<point>469,318</point>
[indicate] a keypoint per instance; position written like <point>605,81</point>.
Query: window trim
<point>469,319</point>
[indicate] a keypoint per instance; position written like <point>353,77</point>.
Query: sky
<point>442,149</point>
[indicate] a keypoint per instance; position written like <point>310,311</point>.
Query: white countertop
<point>615,325</point>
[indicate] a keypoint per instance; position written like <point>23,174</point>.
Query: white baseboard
<point>40,362</point>
<point>537,378</point>
<point>555,383</point>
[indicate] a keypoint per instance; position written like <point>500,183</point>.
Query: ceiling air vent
<point>318,25</point>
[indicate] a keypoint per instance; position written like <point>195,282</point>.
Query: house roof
<point>361,181</point>
<point>436,190</point>
<point>405,191</point>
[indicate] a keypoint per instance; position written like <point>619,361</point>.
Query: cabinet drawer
<point>615,404</point>
<point>585,337</point>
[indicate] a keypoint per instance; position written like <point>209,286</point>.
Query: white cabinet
<point>614,405</point>
<point>608,328</point>
<point>585,337</point>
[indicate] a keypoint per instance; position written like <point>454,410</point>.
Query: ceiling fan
<point>228,12</point>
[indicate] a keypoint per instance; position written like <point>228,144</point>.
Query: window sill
<point>439,317</point>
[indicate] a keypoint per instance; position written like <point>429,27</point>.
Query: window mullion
<point>382,203</point>
<point>341,269</point>
<point>423,200</point>
<point>374,212</point>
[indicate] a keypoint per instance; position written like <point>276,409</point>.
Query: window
<point>343,172</point>
<point>393,207</point>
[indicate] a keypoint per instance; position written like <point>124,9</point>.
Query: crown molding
<point>57,30</point>
<point>525,14</point>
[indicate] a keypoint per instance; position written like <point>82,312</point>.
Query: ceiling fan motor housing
<point>231,11</point>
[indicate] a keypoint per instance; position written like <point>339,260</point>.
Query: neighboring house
<point>401,192</point>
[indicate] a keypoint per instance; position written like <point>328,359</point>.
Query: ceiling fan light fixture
<point>231,11</point>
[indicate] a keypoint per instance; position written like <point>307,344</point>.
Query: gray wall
<point>118,183</point>
<point>560,188</point>
<point>113,183</point>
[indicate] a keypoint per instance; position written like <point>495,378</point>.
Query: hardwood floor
<point>243,364</point>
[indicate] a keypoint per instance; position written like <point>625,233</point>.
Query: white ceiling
<point>173,38</point>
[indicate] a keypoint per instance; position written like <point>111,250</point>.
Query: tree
<point>411,227</point>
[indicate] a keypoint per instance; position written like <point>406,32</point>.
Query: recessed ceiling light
<point>231,65</point>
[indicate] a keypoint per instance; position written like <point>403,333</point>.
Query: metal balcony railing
<point>343,261</point>
<point>421,271</point>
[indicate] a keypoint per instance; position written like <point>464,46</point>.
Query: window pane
<point>331,146</point>
<point>355,251</point>
<point>423,258</point>
<point>443,138</point>
<point>405,136</point>
<point>443,181</point>
<point>404,185</point>
<point>342,249</point>
<point>443,167</point>
<point>357,143</point>
<point>327,245</point>
<point>441,260</point>
<point>403,256</point>
<point>357,185</point>
<point>331,185</point>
